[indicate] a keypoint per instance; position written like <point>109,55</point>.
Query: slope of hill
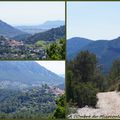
<point>61,86</point>
<point>106,51</point>
<point>38,102</point>
<point>8,31</point>
<point>26,73</point>
<point>50,35</point>
<point>21,37</point>
<point>74,45</point>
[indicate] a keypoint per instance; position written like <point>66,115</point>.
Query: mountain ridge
<point>106,51</point>
<point>50,35</point>
<point>75,44</point>
<point>28,73</point>
<point>8,30</point>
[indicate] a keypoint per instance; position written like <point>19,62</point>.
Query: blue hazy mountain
<point>8,30</point>
<point>52,24</point>
<point>106,51</point>
<point>41,28</point>
<point>49,35</point>
<point>26,73</point>
<point>74,45</point>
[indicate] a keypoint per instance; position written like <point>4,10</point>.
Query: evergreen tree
<point>114,76</point>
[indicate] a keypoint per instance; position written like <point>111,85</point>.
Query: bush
<point>60,110</point>
<point>118,87</point>
<point>85,94</point>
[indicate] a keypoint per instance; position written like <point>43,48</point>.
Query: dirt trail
<point>108,105</point>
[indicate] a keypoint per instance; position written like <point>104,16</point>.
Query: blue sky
<point>93,20</point>
<point>57,67</point>
<point>31,13</point>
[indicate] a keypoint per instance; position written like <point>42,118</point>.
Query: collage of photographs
<point>59,60</point>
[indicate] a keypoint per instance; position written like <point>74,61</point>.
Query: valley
<point>18,44</point>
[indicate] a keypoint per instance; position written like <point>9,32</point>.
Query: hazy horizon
<point>93,20</point>
<point>31,13</point>
<point>31,24</point>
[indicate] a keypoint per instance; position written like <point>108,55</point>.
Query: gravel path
<point>108,105</point>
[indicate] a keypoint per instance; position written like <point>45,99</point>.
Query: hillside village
<point>17,44</point>
<point>33,92</point>
<point>13,49</point>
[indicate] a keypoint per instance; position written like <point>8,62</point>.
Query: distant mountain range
<point>23,31</point>
<point>21,74</point>
<point>55,31</point>
<point>8,30</point>
<point>52,24</point>
<point>106,50</point>
<point>50,35</point>
<point>74,45</point>
<point>41,28</point>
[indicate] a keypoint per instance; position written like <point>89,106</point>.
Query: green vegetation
<point>85,79</point>
<point>27,104</point>
<point>114,76</point>
<point>118,87</point>
<point>56,50</point>
<point>41,43</point>
<point>81,88</point>
<point>40,50</point>
<point>60,110</point>
<point>49,36</point>
<point>107,51</point>
<point>27,47</point>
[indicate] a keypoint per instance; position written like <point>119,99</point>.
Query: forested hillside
<point>16,44</point>
<point>74,46</point>
<point>25,74</point>
<point>8,30</point>
<point>85,79</point>
<point>37,102</point>
<point>106,51</point>
<point>28,90</point>
<point>50,35</point>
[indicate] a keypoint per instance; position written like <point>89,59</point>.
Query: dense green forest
<point>85,79</point>
<point>37,102</point>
